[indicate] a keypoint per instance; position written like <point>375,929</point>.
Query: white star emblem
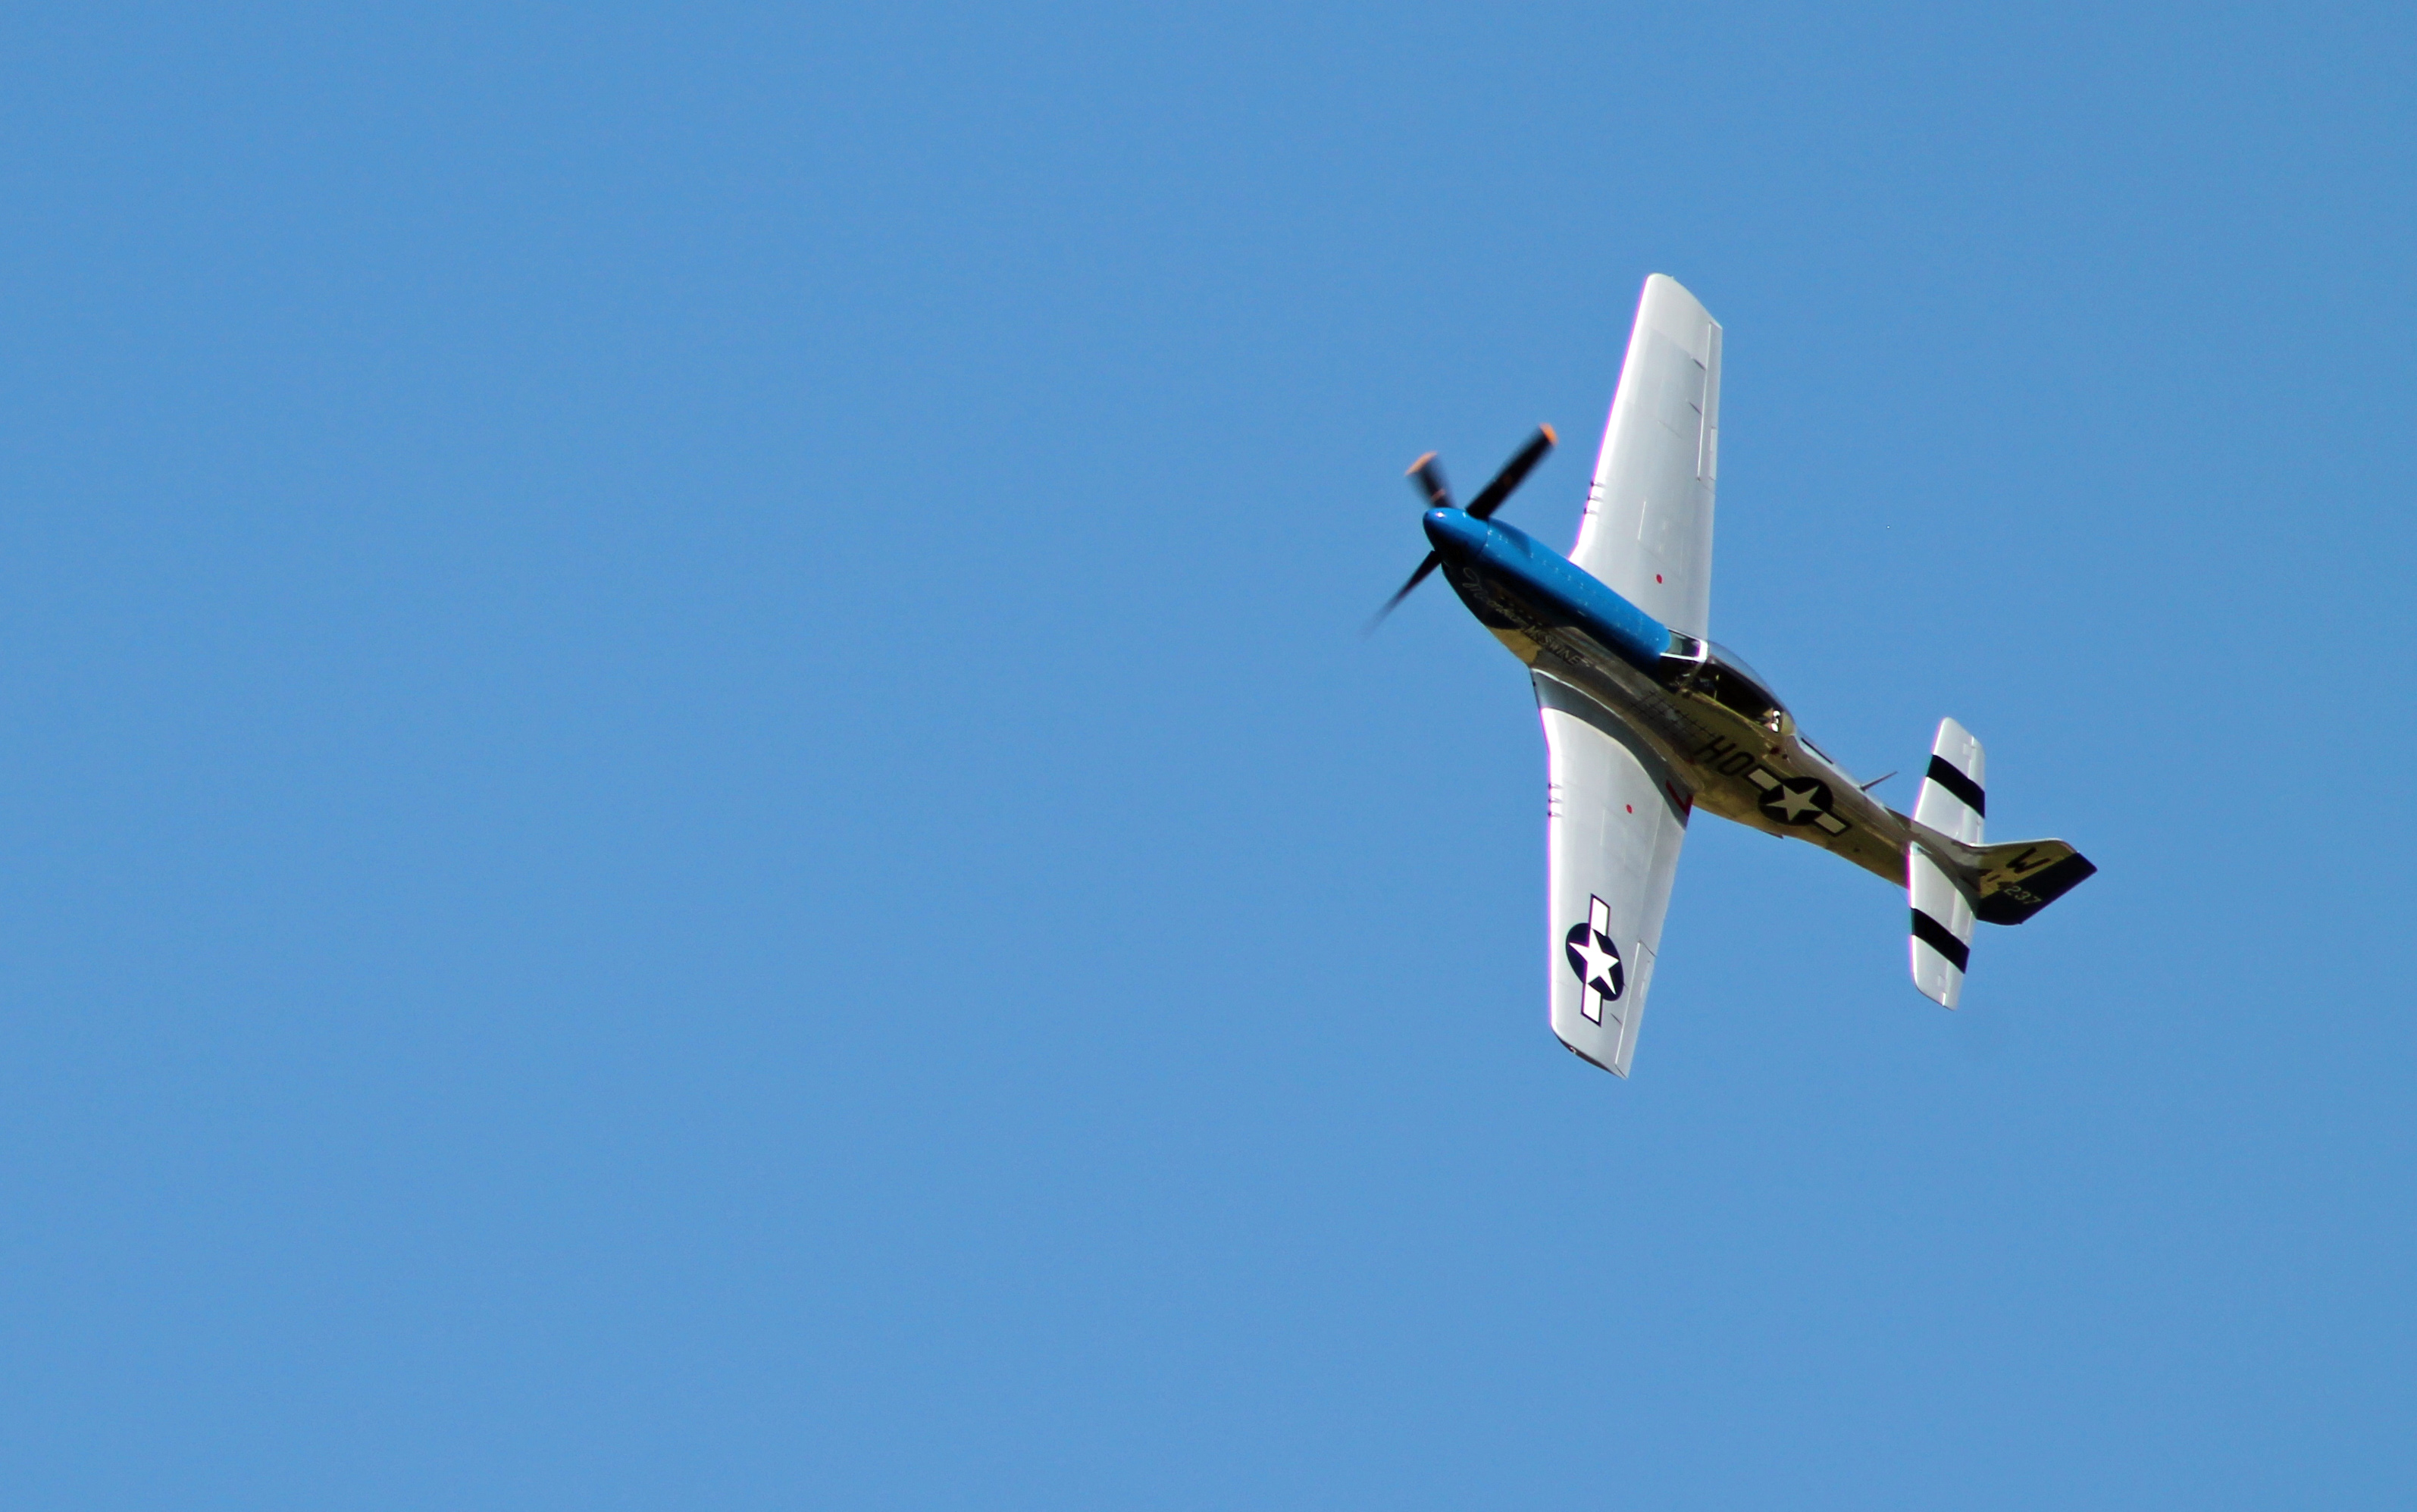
<point>1595,960</point>
<point>1797,800</point>
<point>1599,960</point>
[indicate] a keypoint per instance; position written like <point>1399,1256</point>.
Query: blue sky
<point>696,817</point>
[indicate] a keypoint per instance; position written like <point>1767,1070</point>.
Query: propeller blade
<point>1416,578</point>
<point>1426,475</point>
<point>1513,473</point>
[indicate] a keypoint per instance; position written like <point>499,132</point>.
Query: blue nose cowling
<point>1456,538</point>
<point>1550,583</point>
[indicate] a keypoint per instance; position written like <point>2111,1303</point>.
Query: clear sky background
<point>695,817</point>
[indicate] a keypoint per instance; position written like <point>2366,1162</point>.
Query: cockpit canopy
<point>1719,673</point>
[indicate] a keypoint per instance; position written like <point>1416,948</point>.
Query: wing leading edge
<point>1614,820</point>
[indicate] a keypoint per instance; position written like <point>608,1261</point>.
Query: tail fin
<point>1952,879</point>
<point>2021,877</point>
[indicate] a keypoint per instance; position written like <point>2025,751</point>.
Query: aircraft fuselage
<point>1714,735</point>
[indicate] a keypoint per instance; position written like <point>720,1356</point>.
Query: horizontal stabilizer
<point>1952,801</point>
<point>1942,928</point>
<point>1952,804</point>
<point>1954,880</point>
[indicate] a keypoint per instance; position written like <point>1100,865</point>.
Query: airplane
<point>1646,718</point>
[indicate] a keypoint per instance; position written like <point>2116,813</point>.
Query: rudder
<point>2021,877</point>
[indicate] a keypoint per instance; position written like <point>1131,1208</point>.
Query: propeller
<point>1426,475</point>
<point>1515,473</point>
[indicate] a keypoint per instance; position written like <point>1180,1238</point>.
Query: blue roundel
<point>1595,960</point>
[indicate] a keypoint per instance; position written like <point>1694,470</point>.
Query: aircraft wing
<point>1647,533</point>
<point>1615,818</point>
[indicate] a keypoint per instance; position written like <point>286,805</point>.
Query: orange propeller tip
<point>1413,470</point>
<point>1550,434</point>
